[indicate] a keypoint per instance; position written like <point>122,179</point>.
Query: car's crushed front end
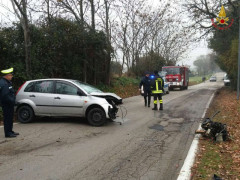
<point>113,100</point>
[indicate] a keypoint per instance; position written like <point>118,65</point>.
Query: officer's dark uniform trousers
<point>8,112</point>
<point>145,82</point>
<point>7,96</point>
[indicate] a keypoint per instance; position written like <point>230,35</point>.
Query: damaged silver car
<point>65,98</point>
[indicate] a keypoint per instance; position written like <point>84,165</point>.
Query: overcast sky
<point>193,53</point>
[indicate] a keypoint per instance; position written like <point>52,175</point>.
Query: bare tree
<point>107,5</point>
<point>76,8</point>
<point>130,33</point>
<point>202,11</point>
<point>20,8</point>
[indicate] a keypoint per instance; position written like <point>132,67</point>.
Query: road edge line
<point>185,172</point>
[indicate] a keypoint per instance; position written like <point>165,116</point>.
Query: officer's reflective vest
<point>157,85</point>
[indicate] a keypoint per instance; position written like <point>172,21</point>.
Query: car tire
<point>96,117</point>
<point>25,114</point>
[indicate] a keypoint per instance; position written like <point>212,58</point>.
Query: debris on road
<point>216,130</point>
<point>215,177</point>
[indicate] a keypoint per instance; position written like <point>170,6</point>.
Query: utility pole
<point>238,79</point>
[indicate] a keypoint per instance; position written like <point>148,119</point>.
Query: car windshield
<point>173,71</point>
<point>226,78</point>
<point>88,88</point>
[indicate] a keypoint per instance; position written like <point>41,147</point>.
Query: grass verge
<point>122,86</point>
<point>197,79</point>
<point>222,159</point>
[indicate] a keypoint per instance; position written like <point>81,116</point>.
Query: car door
<point>67,100</point>
<point>41,94</point>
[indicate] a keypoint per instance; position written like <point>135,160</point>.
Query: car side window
<point>63,88</point>
<point>40,87</point>
<point>30,87</point>
<point>43,87</point>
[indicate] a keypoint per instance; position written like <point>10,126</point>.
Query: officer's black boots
<point>155,107</point>
<point>161,107</point>
<point>11,136</point>
<point>15,133</point>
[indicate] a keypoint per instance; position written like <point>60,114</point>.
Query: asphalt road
<point>148,145</point>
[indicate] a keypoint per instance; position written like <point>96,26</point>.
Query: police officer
<point>7,101</point>
<point>157,86</point>
<point>145,82</point>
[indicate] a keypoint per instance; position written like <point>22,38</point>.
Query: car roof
<point>56,79</point>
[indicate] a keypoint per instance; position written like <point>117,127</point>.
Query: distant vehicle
<point>226,80</point>
<point>177,76</point>
<point>65,98</point>
<point>213,79</point>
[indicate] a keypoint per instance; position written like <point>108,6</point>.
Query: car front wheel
<point>25,114</point>
<point>96,117</point>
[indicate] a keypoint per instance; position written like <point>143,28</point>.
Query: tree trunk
<point>84,50</point>
<point>108,59</point>
<point>21,13</point>
<point>93,30</point>
<point>27,45</point>
<point>48,12</point>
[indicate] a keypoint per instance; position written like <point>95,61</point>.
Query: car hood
<point>108,96</point>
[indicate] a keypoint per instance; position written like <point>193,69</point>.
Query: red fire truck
<point>176,76</point>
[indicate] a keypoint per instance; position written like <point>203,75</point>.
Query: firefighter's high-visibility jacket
<point>157,85</point>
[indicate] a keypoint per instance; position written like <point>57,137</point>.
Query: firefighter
<point>157,86</point>
<point>145,82</point>
<point>7,101</point>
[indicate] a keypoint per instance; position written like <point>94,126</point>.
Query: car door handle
<point>57,98</point>
<point>32,95</point>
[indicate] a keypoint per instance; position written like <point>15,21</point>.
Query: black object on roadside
<point>216,130</point>
<point>203,78</point>
<point>215,177</point>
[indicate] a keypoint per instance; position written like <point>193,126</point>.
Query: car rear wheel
<point>96,117</point>
<point>25,114</point>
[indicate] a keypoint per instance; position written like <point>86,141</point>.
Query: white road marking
<point>185,173</point>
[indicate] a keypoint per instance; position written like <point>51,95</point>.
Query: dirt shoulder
<point>222,159</point>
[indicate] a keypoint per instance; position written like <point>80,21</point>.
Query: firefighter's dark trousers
<point>158,97</point>
<point>8,113</point>
<point>147,98</point>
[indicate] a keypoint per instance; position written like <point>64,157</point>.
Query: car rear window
<point>40,87</point>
